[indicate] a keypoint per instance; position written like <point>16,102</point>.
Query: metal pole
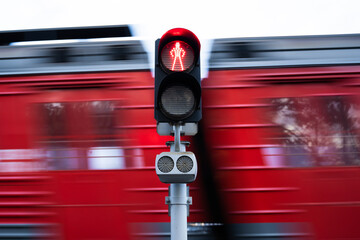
<point>177,141</point>
<point>178,197</point>
<point>178,211</point>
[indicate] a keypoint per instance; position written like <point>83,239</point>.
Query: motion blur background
<point>278,146</point>
<point>208,19</point>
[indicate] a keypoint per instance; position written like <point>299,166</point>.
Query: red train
<point>277,148</point>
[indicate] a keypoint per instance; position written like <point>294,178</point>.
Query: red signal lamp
<point>179,50</point>
<point>177,56</point>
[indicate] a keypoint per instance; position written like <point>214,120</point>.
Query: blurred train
<point>278,146</point>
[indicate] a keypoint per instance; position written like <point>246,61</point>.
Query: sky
<point>208,19</point>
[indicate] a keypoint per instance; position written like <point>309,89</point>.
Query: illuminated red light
<point>177,56</point>
<point>177,53</point>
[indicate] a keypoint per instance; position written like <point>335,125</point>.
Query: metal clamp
<point>179,201</point>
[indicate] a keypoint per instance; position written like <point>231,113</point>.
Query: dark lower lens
<point>177,101</point>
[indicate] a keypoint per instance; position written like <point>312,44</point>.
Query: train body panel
<point>278,146</point>
<point>285,148</point>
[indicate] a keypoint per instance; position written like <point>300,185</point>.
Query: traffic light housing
<point>177,78</point>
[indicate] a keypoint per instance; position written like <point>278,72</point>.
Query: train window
<point>315,131</point>
<point>240,50</point>
<point>60,55</point>
<point>81,135</point>
<point>120,52</point>
<point>54,119</point>
<point>103,114</point>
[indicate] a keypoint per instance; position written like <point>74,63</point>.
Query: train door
<point>76,126</point>
<point>26,191</point>
<point>77,134</point>
<point>313,138</point>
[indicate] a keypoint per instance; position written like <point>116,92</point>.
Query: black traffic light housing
<point>177,79</point>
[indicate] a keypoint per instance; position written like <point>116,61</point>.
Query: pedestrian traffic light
<point>177,77</point>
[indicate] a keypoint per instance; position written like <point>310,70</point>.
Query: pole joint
<point>171,200</point>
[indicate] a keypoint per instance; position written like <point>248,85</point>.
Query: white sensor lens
<point>165,164</point>
<point>184,164</point>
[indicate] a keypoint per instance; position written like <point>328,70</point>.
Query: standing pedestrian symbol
<point>177,53</point>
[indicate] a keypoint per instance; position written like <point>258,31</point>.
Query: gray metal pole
<point>178,211</point>
<point>178,197</point>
